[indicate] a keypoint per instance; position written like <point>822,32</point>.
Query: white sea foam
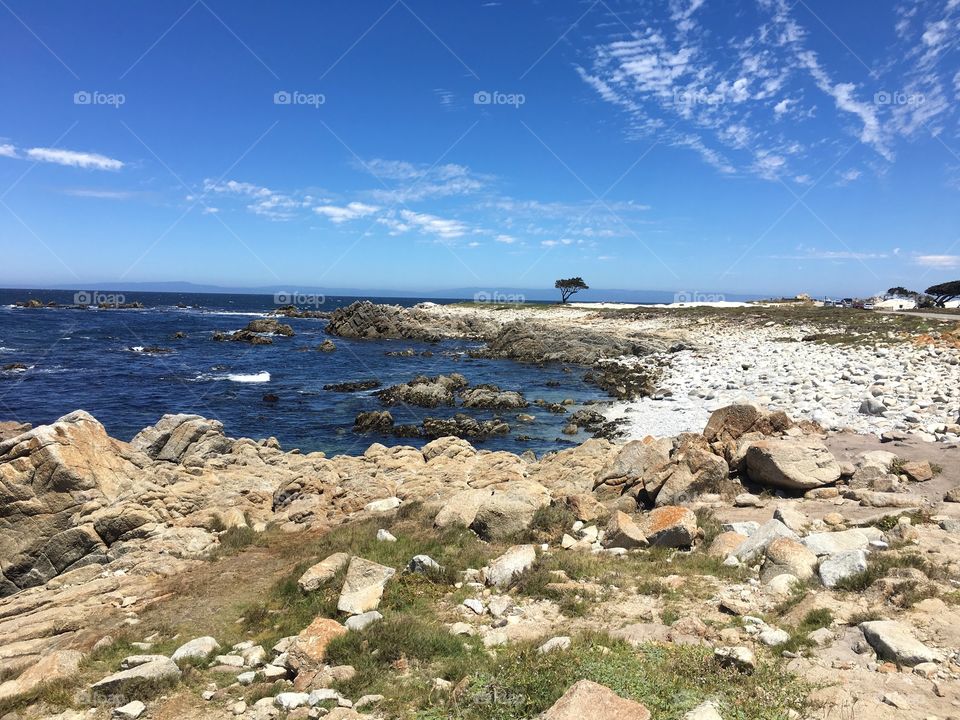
<point>260,377</point>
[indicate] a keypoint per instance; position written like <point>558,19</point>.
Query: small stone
<point>360,622</point>
<point>558,643</point>
<point>291,700</point>
<point>130,711</point>
<point>474,605</point>
<point>385,536</point>
<point>741,658</point>
<point>747,500</point>
<point>197,649</point>
<point>422,564</point>
<point>897,700</point>
<point>381,506</point>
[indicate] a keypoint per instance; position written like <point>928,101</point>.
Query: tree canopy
<point>900,291</point>
<point>944,292</point>
<point>570,286</point>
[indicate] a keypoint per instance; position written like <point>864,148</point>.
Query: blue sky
<point>761,146</point>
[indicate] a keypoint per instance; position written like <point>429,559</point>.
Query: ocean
<point>94,360</point>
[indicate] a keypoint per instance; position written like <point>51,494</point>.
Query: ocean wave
<point>260,377</point>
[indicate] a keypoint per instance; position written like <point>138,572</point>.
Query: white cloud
<point>433,225</point>
<point>550,243</point>
<point>505,239</point>
<point>72,158</point>
<point>781,107</point>
<point>8,151</point>
<point>943,262</point>
<point>267,203</point>
<point>413,182</point>
<point>832,255</point>
<point>351,211</point>
<point>849,176</point>
<point>100,194</point>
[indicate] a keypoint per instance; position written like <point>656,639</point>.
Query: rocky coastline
<point>765,563</point>
<point>95,530</point>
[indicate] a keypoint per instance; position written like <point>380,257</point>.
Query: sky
<point>698,146</point>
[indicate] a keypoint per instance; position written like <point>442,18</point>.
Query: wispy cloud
<point>939,262</point>
<point>7,150</point>
<point>752,101</point>
<point>833,255</point>
<point>73,158</point>
<point>352,211</point>
<point>100,194</point>
<point>265,202</point>
<point>408,182</point>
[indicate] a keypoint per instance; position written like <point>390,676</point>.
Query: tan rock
<point>623,532</point>
<point>787,556</point>
<point>58,665</point>
<point>670,526</point>
<point>588,699</point>
<point>309,648</point>
<point>726,543</point>
<point>322,572</point>
<point>792,464</point>
<point>363,586</point>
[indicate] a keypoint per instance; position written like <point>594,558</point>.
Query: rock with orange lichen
<point>670,526</point>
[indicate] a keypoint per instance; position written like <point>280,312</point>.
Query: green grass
<point>287,610</point>
<point>879,566</point>
<point>813,620</point>
<point>669,680</point>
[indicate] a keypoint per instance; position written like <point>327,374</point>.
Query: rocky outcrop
<point>53,480</point>
<point>258,332</point>
<point>182,438</point>
<point>491,397</point>
<point>422,391</point>
<point>365,320</point>
<point>539,342</point>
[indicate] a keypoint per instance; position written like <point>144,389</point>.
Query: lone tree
<point>944,292</point>
<point>569,286</point>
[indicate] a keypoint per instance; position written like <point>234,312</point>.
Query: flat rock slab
<point>363,586</point>
<point>894,641</point>
<point>588,699</point>
<point>146,676</point>
<point>831,543</point>
<point>322,572</point>
<point>55,666</point>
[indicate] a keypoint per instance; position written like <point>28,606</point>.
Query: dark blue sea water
<point>89,359</point>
